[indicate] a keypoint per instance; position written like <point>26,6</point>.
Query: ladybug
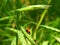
<point>28,30</point>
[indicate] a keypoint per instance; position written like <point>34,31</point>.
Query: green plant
<point>39,16</point>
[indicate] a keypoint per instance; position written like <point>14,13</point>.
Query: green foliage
<point>42,18</point>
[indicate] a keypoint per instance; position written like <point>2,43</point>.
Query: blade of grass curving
<point>5,18</point>
<point>45,43</point>
<point>13,41</point>
<point>17,18</point>
<point>25,33</point>
<point>57,38</point>
<point>11,29</point>
<point>28,42</point>
<point>41,19</point>
<point>48,27</point>
<point>32,7</point>
<point>21,38</point>
<point>28,36</point>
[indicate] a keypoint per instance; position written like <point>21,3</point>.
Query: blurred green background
<point>43,23</point>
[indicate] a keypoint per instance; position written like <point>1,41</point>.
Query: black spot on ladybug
<point>28,30</point>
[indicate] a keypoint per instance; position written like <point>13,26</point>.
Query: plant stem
<point>41,19</point>
<point>17,20</point>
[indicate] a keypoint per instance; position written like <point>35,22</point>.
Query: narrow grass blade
<point>5,18</point>
<point>57,38</point>
<point>13,30</point>
<point>13,41</point>
<point>48,27</point>
<point>45,43</point>
<point>28,42</point>
<point>21,38</point>
<point>32,7</point>
<point>28,36</point>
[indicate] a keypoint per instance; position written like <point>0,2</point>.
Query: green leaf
<point>5,18</point>
<point>32,7</point>
<point>21,38</point>
<point>45,43</point>
<point>13,30</point>
<point>57,38</point>
<point>13,41</point>
<point>28,36</point>
<point>28,42</point>
<point>48,27</point>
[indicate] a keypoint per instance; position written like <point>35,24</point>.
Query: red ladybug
<point>28,30</point>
